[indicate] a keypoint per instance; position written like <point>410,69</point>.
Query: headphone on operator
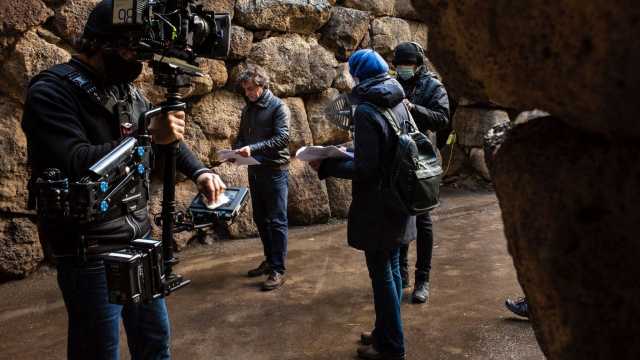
<point>420,50</point>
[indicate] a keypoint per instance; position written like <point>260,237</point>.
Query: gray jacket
<point>264,127</point>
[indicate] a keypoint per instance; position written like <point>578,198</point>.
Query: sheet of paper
<point>311,153</point>
<point>239,160</point>
<point>222,199</point>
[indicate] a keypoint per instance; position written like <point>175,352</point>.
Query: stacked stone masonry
<point>303,44</point>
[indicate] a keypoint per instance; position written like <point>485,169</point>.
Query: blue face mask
<point>405,72</point>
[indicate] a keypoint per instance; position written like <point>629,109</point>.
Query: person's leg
<point>94,323</point>
<point>388,335</point>
<point>424,247</point>
<point>258,203</point>
<point>404,265</point>
<point>277,219</point>
<point>148,330</point>
<point>394,261</point>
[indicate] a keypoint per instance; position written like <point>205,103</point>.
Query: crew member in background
<point>428,102</point>
<point>264,135</point>
<point>373,226</point>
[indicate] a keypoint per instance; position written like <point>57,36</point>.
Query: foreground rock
<point>577,69</point>
<point>565,196</point>
<point>323,131</point>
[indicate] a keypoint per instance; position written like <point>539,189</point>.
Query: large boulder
<point>299,132</point>
<point>569,202</point>
<point>322,130</point>
<point>405,9</point>
<point>301,16</point>
<point>314,68</point>
<point>30,56</point>
<point>19,16</point>
<point>13,163</point>
<point>241,42</point>
<point>520,55</point>
<point>339,191</point>
<point>343,81</point>
<point>219,6</point>
<point>376,7</point>
<point>218,114</point>
<point>215,77</point>
<point>388,32</point>
<point>345,30</point>
<point>20,250</point>
<point>472,124</point>
<point>71,17</point>
<point>308,199</point>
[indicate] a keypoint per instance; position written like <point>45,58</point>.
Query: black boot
<point>420,292</point>
<point>519,307</point>
<point>263,269</point>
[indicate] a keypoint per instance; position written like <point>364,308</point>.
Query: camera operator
<point>374,226</point>
<point>75,113</point>
<point>429,105</point>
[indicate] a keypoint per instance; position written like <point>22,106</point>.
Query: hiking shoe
<point>274,281</point>
<point>420,293</point>
<point>263,269</point>
<point>519,307</point>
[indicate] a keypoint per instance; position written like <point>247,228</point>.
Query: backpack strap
<point>74,77</point>
<point>390,117</point>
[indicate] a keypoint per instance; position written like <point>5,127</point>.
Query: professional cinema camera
<point>137,271</point>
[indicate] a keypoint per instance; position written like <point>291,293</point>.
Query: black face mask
<point>118,70</point>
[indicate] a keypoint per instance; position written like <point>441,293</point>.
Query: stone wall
<point>303,45</point>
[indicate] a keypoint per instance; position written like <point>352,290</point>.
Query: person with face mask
<point>75,113</point>
<point>428,102</point>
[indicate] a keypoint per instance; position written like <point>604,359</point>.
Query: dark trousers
<point>94,323</point>
<point>269,191</point>
<point>424,249</point>
<point>384,271</point>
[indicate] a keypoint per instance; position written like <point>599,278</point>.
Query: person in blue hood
<point>373,226</point>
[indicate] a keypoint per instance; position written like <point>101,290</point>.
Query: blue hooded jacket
<point>366,63</point>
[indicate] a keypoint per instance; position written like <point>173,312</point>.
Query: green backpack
<point>411,183</point>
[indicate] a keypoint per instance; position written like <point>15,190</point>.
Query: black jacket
<point>372,226</point>
<point>431,103</point>
<point>68,130</point>
<point>264,127</point>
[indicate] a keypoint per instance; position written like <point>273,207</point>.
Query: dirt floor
<point>324,305</point>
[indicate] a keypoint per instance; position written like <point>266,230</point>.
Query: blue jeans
<point>384,271</point>
<point>269,192</point>
<point>94,323</point>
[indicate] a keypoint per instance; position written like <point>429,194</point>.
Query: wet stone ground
<point>324,305</point>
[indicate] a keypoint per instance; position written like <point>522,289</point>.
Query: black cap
<point>99,24</point>
<point>407,53</point>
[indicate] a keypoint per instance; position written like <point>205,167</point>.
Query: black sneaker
<point>263,269</point>
<point>274,281</point>
<point>366,338</point>
<point>519,307</point>
<point>370,353</point>
<point>420,292</point>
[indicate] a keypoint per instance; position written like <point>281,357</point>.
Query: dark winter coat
<point>66,129</point>
<point>430,100</point>
<point>264,127</point>
<point>372,226</point>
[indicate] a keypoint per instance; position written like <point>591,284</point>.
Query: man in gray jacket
<point>264,134</point>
